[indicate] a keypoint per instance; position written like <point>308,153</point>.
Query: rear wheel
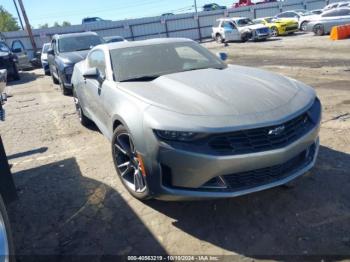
<point>6,242</point>
<point>318,30</point>
<point>128,164</point>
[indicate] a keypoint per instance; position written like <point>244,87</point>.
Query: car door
<point>51,58</point>
<point>94,89</point>
<point>21,53</point>
<point>230,31</point>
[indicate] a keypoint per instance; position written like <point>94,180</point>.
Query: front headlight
<point>315,111</point>
<point>177,135</point>
<point>69,70</point>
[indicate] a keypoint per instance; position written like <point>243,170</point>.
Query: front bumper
<point>190,171</point>
<point>260,36</point>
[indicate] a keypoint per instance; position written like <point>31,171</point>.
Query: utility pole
<point>195,6</point>
<point>28,27</point>
<point>19,16</point>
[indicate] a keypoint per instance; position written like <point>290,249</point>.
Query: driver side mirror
<point>223,56</point>
<point>50,52</point>
<point>94,73</point>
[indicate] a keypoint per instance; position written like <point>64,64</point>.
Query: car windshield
<point>304,12</point>
<point>151,61</point>
<point>4,48</point>
<point>244,22</point>
<point>45,48</point>
<point>269,19</point>
<point>78,43</point>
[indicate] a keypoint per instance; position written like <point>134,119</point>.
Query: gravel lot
<point>72,203</point>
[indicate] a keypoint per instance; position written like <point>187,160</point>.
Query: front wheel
<point>84,120</point>
<point>6,242</point>
<point>219,39</point>
<point>274,31</point>
<point>303,26</point>
<point>54,79</point>
<point>129,164</point>
<point>15,72</point>
<point>318,30</point>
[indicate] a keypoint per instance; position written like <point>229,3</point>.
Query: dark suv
<point>66,50</point>
<point>8,61</point>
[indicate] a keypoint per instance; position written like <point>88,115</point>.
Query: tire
<point>245,38</point>
<point>84,120</point>
<point>54,79</point>
<point>15,74</point>
<point>65,91</point>
<point>6,233</point>
<point>274,31</point>
<point>303,26</point>
<point>219,39</point>
<point>123,152</point>
<point>318,30</point>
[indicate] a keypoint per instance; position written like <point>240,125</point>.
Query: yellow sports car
<point>282,26</point>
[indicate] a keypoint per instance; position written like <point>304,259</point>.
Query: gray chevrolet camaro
<point>184,125</point>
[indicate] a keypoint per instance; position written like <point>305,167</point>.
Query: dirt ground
<point>72,203</point>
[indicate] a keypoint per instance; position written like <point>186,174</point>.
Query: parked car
<point>300,16</point>
<point>43,58</point>
<point>213,7</point>
<point>7,252</point>
<point>65,51</point>
<point>113,39</point>
<point>328,19</point>
<point>24,62</point>
<point>278,26</point>
<point>8,61</point>
<point>182,124</point>
<point>238,29</point>
<point>88,20</point>
<point>336,5</point>
<point>317,11</point>
<point>241,3</point>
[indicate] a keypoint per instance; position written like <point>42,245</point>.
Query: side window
<point>97,59</point>
<point>17,45</point>
<point>228,25</point>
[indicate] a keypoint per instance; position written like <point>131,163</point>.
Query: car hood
<point>235,90</point>
<point>4,54</point>
<point>253,27</point>
<point>73,57</point>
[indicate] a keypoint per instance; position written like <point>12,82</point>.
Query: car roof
<point>231,18</point>
<point>156,41</point>
<point>60,36</point>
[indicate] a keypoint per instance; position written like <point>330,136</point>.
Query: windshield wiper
<point>141,78</point>
<point>83,49</point>
<point>201,68</point>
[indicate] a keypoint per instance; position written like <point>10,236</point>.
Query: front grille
<point>263,176</point>
<point>289,28</point>
<point>263,31</point>
<point>261,139</point>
